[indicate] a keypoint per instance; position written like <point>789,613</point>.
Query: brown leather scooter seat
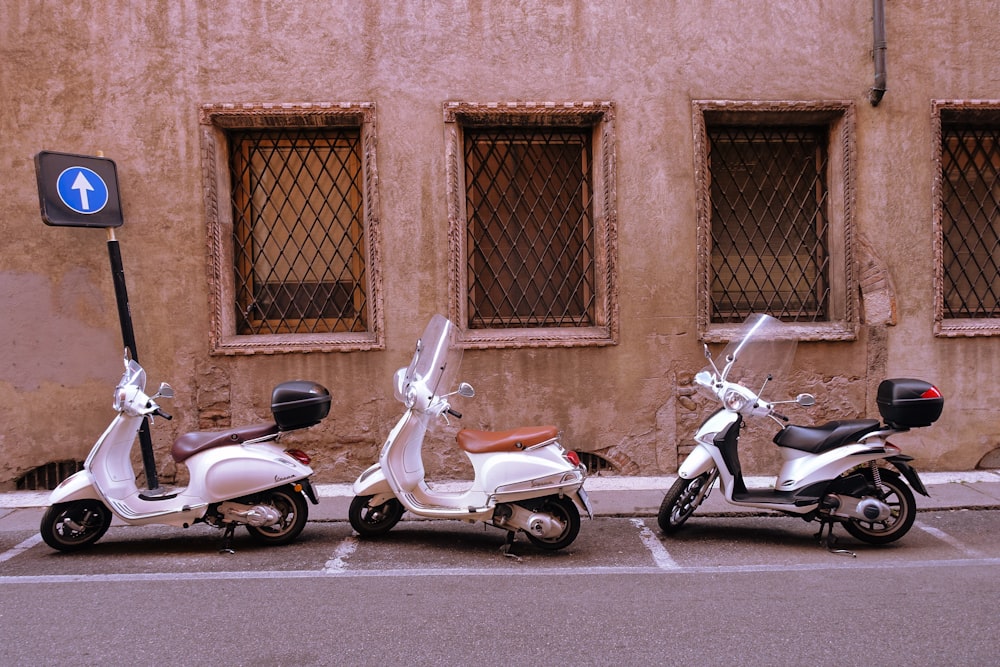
<point>190,444</point>
<point>483,442</point>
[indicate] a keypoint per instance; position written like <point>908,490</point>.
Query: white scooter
<point>833,473</point>
<point>238,476</point>
<point>524,479</point>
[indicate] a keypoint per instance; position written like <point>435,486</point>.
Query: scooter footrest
<point>764,497</point>
<point>158,496</point>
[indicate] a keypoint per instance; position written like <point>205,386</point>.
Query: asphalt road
<point>726,591</point>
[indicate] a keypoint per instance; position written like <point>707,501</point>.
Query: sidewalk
<point>624,496</point>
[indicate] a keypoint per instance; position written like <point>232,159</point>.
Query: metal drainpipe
<point>879,48</point>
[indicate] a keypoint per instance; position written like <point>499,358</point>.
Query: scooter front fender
<point>697,462</point>
<point>78,486</point>
<point>372,482</point>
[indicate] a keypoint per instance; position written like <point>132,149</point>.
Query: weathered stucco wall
<point>129,78</point>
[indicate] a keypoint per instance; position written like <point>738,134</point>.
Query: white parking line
<point>945,537</point>
<point>338,564</point>
<point>660,554</point>
<point>829,565</point>
<point>20,548</point>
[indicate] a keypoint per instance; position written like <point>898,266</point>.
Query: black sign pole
<point>82,191</point>
<point>128,337</point>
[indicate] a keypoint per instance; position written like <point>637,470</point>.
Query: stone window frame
<point>601,117</point>
<point>215,119</point>
<point>957,327</point>
<point>839,117</point>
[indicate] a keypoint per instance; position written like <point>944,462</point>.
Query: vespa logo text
<point>280,478</point>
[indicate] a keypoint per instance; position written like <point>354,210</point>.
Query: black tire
<point>680,502</point>
<point>895,493</point>
<point>75,525</point>
<point>294,511</point>
<point>564,510</point>
<point>372,521</point>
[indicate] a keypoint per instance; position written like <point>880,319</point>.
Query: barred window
<point>769,223</point>
<point>297,230</point>
<point>967,218</point>
<point>773,218</point>
<point>297,233</point>
<point>533,224</point>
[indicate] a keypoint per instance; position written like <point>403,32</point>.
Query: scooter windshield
<point>762,350</point>
<point>437,358</point>
<point>134,376</point>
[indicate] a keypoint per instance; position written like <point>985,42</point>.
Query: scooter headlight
<point>411,396</point>
<point>734,400</point>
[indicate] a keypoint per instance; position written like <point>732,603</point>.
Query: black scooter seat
<point>818,439</point>
<point>190,444</point>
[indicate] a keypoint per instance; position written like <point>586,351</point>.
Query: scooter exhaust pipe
<point>865,509</point>
<point>256,515</point>
<point>513,517</point>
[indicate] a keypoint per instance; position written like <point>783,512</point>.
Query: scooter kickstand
<point>830,541</point>
<point>227,539</point>
<point>508,544</point>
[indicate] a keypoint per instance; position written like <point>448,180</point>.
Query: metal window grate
<point>770,224</point>
<point>298,237</point>
<point>530,232</point>
<point>971,220</point>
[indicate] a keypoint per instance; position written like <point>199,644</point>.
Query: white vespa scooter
<point>238,476</point>
<point>524,479</point>
<point>845,471</point>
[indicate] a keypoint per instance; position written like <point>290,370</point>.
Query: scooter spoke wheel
<point>897,495</point>
<point>680,502</point>
<point>373,520</point>
<point>563,510</point>
<point>294,513</point>
<point>75,525</point>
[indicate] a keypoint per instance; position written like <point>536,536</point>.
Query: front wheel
<point>681,501</point>
<point>565,513</point>
<point>903,510</point>
<point>75,525</point>
<point>374,520</point>
<point>294,511</point>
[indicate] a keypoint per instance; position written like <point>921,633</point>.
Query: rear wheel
<point>564,511</point>
<point>681,501</point>
<point>897,495</point>
<point>294,511</point>
<point>75,525</point>
<point>373,520</point>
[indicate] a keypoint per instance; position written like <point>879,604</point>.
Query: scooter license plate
<point>586,501</point>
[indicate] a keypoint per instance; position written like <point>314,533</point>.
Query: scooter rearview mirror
<point>165,391</point>
<point>805,400</point>
<point>465,390</point>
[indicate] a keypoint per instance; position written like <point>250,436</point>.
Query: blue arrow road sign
<point>82,190</point>
<point>78,190</point>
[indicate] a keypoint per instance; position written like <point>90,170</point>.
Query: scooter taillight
<point>299,456</point>
<point>933,392</point>
<point>572,457</point>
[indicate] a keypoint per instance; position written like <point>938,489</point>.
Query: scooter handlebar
<point>154,409</point>
<point>454,413</point>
